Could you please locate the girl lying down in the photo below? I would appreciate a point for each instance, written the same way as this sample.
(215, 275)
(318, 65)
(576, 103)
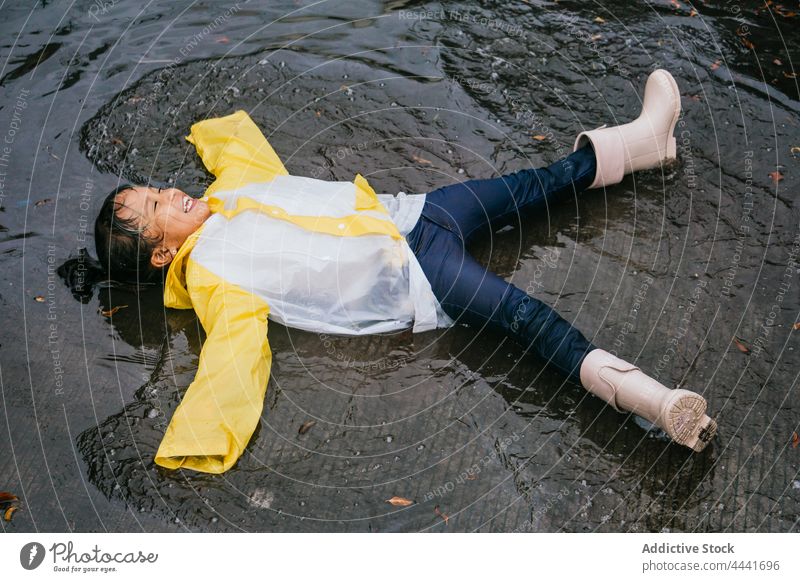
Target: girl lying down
(337, 258)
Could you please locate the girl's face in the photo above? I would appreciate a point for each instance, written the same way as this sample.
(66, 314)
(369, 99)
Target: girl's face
(165, 214)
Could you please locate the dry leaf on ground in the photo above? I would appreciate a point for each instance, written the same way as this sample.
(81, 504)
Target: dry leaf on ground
(5, 497)
(306, 426)
(742, 348)
(439, 513)
(111, 311)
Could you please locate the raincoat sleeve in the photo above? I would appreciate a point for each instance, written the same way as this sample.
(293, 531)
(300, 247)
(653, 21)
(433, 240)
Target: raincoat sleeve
(222, 406)
(235, 151)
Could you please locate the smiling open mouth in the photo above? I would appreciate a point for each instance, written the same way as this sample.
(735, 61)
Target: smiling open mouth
(188, 203)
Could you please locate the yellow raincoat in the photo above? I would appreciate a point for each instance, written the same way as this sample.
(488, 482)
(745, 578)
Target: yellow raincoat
(311, 254)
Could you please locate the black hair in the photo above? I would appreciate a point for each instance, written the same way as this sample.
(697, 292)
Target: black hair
(123, 249)
(123, 252)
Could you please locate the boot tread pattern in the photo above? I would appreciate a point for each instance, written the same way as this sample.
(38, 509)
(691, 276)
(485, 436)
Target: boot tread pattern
(688, 424)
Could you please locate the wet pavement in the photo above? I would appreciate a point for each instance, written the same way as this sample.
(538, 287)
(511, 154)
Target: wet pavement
(681, 271)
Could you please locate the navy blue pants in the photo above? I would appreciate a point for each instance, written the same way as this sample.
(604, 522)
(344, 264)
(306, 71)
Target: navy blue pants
(469, 293)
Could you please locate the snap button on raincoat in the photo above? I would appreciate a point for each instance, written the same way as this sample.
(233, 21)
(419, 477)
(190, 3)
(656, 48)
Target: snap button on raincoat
(311, 254)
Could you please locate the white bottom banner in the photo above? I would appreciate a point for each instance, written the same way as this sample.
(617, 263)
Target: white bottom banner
(397, 556)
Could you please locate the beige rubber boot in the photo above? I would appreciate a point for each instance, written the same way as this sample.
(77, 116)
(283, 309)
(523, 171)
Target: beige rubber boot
(680, 413)
(644, 143)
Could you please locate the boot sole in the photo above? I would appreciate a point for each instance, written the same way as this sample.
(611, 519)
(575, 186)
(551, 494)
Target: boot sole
(687, 423)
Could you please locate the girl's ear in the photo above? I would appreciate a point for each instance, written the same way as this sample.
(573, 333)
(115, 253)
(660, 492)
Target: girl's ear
(162, 256)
